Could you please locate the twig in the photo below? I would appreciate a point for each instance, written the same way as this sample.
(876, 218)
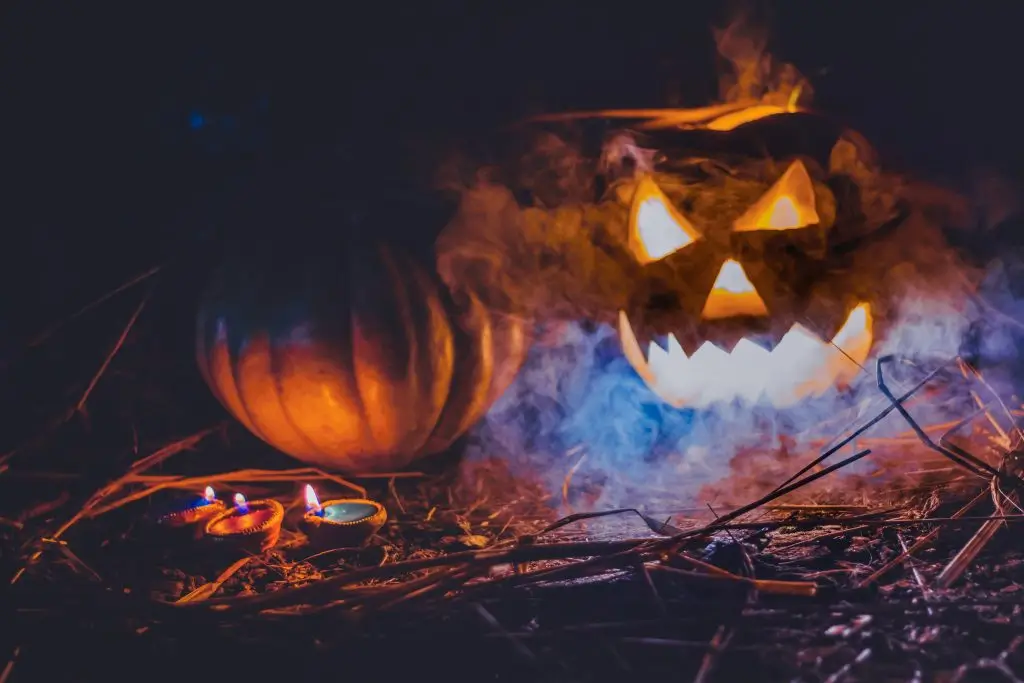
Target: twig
(804, 589)
(821, 537)
(718, 642)
(919, 543)
(956, 454)
(52, 329)
(489, 557)
(659, 604)
(394, 494)
(207, 590)
(80, 406)
(864, 655)
(654, 525)
(6, 673)
(149, 461)
(777, 493)
(866, 426)
(517, 644)
(918, 579)
(568, 480)
(963, 559)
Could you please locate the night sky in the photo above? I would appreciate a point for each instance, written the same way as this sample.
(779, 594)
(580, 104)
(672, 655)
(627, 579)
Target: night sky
(126, 123)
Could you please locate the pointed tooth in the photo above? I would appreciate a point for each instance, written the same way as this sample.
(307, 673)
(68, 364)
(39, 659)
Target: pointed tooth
(798, 358)
(728, 341)
(660, 362)
(781, 325)
(689, 343)
(675, 349)
(764, 341)
(669, 372)
(707, 365)
(679, 368)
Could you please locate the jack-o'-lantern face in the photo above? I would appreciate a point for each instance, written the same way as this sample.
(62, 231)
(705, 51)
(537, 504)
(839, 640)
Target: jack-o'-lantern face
(764, 262)
(745, 296)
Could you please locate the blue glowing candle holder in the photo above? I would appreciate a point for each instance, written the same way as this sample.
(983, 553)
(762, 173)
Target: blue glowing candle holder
(342, 522)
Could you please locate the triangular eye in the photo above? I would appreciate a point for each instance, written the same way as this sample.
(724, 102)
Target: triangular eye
(656, 228)
(788, 205)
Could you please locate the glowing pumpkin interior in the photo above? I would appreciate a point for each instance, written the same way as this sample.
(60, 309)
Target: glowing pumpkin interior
(800, 366)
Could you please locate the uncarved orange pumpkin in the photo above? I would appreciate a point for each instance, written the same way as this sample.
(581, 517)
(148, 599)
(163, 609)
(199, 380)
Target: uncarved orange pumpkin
(362, 365)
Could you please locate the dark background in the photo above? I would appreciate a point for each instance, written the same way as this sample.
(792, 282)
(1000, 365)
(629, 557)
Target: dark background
(124, 123)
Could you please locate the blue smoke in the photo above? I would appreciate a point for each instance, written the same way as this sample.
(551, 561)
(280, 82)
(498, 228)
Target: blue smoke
(578, 405)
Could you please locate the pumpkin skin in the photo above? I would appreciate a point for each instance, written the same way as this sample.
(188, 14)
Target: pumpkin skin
(361, 361)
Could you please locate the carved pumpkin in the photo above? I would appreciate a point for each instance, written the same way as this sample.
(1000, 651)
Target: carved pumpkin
(762, 255)
(765, 276)
(356, 359)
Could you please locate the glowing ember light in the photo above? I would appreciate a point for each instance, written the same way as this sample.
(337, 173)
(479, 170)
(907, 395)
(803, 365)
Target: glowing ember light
(208, 495)
(801, 366)
(734, 120)
(241, 503)
(718, 117)
(312, 502)
(733, 294)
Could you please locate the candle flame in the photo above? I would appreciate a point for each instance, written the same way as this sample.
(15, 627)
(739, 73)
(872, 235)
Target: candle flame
(240, 502)
(209, 494)
(312, 502)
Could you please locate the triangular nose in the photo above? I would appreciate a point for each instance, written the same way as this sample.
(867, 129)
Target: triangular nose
(733, 294)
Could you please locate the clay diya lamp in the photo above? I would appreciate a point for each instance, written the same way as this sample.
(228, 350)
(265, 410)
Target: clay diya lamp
(251, 525)
(341, 523)
(190, 518)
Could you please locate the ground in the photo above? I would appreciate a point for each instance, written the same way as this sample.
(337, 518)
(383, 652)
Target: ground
(478, 575)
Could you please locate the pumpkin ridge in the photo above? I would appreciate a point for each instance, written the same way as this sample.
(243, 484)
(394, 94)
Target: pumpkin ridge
(353, 381)
(470, 387)
(276, 372)
(439, 358)
(259, 391)
(384, 396)
(230, 347)
(217, 357)
(223, 347)
(421, 351)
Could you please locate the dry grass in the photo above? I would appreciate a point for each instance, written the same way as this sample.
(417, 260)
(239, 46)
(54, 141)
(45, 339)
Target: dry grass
(476, 576)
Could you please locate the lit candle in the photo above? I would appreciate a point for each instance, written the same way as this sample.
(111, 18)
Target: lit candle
(342, 522)
(313, 506)
(196, 510)
(252, 525)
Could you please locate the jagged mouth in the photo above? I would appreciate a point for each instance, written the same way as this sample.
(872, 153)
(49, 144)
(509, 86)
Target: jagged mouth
(802, 365)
